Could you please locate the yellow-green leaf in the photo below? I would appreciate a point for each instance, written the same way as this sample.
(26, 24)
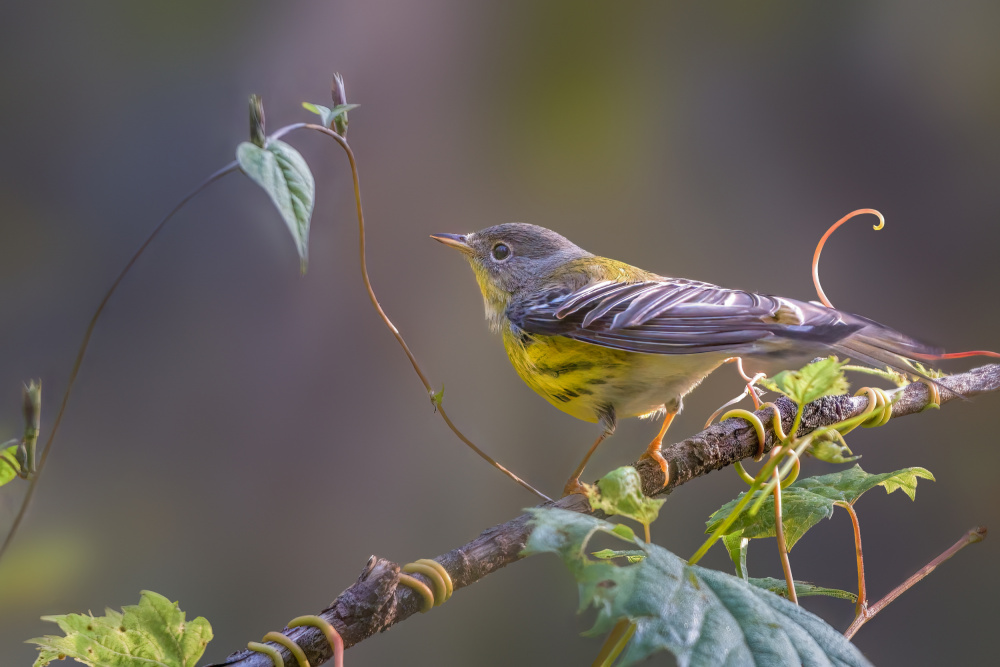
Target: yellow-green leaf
(9, 464)
(820, 378)
(330, 116)
(620, 493)
(153, 633)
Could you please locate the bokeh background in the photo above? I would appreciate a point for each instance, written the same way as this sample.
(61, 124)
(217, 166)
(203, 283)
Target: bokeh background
(242, 438)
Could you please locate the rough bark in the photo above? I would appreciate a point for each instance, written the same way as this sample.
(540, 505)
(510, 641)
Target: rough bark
(376, 602)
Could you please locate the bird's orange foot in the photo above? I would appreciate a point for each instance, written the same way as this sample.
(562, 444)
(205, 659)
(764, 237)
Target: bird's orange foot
(653, 452)
(574, 485)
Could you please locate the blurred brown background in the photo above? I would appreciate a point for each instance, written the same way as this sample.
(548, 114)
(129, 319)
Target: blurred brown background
(223, 392)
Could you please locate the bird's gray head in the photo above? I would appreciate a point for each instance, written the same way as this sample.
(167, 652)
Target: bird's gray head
(511, 257)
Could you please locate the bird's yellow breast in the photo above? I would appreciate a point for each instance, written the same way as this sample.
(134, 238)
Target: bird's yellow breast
(591, 381)
(570, 375)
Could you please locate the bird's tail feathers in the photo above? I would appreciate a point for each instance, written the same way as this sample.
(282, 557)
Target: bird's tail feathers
(882, 347)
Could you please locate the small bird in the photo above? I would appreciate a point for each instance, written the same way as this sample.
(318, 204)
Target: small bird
(602, 340)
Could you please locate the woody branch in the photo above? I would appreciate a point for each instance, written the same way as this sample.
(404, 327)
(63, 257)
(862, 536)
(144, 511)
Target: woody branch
(376, 601)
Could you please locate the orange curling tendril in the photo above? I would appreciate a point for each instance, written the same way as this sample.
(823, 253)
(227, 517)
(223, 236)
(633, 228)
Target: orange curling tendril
(826, 302)
(819, 247)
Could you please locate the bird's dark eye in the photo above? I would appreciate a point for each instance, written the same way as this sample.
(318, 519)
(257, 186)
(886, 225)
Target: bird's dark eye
(500, 252)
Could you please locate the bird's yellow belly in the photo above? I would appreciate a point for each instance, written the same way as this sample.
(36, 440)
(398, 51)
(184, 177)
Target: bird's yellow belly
(586, 380)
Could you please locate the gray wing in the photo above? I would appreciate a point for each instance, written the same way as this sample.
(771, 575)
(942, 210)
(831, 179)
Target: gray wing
(676, 316)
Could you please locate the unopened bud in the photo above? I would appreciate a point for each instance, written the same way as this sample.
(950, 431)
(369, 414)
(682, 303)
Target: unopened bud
(339, 94)
(32, 423)
(32, 408)
(257, 135)
(337, 90)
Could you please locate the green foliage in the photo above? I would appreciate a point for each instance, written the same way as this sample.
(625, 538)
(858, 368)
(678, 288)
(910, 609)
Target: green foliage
(285, 177)
(802, 589)
(631, 555)
(437, 397)
(10, 466)
(737, 546)
(820, 378)
(888, 374)
(831, 450)
(809, 500)
(329, 116)
(153, 633)
(620, 493)
(932, 373)
(702, 616)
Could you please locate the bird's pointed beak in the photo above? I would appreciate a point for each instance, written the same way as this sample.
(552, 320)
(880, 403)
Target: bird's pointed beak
(454, 240)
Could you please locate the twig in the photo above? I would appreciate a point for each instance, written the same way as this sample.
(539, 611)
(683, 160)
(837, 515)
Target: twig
(977, 534)
(392, 328)
(86, 342)
(375, 603)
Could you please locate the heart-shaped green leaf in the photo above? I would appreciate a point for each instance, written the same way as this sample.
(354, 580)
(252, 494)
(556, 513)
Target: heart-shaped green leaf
(285, 177)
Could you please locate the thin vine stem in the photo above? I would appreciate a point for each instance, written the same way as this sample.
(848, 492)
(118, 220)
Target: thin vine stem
(862, 604)
(388, 323)
(779, 532)
(33, 484)
(972, 536)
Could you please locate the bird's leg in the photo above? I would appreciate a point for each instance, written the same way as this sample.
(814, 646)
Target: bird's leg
(574, 485)
(653, 451)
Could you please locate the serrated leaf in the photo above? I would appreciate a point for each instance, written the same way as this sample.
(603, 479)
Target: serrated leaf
(812, 499)
(284, 175)
(327, 115)
(9, 466)
(153, 633)
(703, 617)
(802, 589)
(820, 378)
(620, 493)
(631, 555)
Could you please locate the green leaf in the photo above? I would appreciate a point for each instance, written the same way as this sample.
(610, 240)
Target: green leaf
(809, 500)
(437, 397)
(929, 372)
(803, 589)
(832, 451)
(9, 466)
(285, 177)
(327, 115)
(620, 493)
(631, 555)
(820, 378)
(623, 531)
(703, 617)
(153, 633)
(737, 546)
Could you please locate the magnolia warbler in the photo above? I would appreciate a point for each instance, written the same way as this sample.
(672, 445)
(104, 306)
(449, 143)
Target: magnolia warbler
(602, 340)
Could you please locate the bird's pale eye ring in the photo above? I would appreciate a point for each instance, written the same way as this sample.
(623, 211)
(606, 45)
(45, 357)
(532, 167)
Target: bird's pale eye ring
(501, 252)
